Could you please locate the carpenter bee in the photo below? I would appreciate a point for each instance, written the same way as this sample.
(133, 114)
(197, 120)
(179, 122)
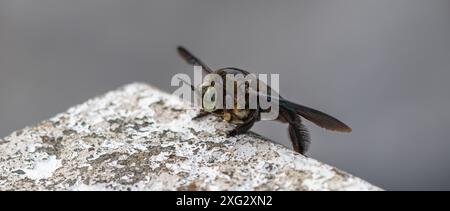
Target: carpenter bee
(244, 119)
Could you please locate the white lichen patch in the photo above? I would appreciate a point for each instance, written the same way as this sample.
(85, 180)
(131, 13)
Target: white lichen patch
(43, 169)
(139, 138)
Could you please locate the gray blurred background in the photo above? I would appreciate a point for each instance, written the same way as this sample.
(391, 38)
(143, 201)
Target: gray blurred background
(381, 66)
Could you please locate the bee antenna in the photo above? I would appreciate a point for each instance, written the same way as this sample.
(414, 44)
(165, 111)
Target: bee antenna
(192, 87)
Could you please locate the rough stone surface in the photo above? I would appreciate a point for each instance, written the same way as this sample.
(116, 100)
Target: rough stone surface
(139, 138)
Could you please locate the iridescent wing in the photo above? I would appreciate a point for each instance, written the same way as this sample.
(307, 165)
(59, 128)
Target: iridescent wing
(317, 117)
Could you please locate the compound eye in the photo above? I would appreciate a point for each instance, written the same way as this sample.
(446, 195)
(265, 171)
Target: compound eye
(209, 99)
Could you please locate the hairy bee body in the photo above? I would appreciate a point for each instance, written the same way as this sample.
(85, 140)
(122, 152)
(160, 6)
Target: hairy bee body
(234, 115)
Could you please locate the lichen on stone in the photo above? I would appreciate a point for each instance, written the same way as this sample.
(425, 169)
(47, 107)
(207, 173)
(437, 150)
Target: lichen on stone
(139, 138)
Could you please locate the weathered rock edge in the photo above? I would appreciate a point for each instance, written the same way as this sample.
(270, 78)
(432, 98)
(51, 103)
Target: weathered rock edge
(140, 138)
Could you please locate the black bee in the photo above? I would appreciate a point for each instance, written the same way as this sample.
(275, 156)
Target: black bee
(289, 112)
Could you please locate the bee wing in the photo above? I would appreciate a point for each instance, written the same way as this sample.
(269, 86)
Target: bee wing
(317, 117)
(191, 59)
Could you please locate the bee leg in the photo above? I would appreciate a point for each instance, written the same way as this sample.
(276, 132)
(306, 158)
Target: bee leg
(200, 115)
(241, 128)
(297, 132)
(299, 137)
